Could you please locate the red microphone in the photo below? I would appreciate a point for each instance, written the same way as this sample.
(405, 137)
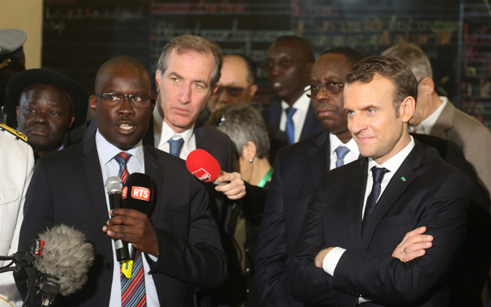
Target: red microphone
(202, 165)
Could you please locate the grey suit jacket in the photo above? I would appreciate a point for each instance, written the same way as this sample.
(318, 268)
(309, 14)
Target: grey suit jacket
(470, 135)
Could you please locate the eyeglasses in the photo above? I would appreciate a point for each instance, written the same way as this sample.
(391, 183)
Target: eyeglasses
(333, 88)
(234, 91)
(114, 99)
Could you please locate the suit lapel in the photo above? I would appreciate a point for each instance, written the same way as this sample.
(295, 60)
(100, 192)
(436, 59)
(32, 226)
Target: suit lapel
(317, 156)
(154, 170)
(93, 179)
(354, 200)
(444, 122)
(311, 124)
(403, 177)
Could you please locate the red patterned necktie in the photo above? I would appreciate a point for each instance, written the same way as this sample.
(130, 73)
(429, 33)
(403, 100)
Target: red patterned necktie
(122, 159)
(133, 289)
(133, 292)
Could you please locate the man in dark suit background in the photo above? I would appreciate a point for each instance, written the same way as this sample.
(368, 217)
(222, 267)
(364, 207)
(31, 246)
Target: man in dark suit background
(180, 241)
(297, 170)
(347, 249)
(288, 65)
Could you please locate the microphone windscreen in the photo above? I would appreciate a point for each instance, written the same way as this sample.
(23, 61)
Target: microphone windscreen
(138, 193)
(66, 256)
(203, 165)
(113, 184)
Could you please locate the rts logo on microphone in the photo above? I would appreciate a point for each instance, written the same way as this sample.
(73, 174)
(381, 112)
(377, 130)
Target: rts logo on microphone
(202, 174)
(140, 193)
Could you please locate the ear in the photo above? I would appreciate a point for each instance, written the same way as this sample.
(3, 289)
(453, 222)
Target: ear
(72, 119)
(426, 86)
(17, 112)
(93, 104)
(406, 109)
(308, 69)
(253, 90)
(157, 78)
(249, 150)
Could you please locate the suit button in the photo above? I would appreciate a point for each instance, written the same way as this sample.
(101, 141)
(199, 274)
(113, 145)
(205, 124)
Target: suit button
(247, 250)
(109, 266)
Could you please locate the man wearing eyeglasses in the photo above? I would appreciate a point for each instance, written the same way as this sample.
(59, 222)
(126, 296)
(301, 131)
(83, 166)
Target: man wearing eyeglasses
(288, 65)
(297, 171)
(237, 82)
(179, 242)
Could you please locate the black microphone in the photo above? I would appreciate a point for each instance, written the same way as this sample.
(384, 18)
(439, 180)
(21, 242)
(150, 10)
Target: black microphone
(58, 263)
(138, 193)
(114, 187)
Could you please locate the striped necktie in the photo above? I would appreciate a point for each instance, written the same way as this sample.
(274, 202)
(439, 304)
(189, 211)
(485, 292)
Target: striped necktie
(122, 159)
(133, 292)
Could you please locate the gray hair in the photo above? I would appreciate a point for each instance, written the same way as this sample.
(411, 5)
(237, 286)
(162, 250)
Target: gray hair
(414, 57)
(189, 42)
(243, 123)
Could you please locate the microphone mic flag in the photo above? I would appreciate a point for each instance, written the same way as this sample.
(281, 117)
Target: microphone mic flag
(203, 165)
(138, 193)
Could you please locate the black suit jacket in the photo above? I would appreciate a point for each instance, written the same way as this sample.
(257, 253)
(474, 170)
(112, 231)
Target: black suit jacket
(297, 170)
(272, 116)
(425, 191)
(67, 188)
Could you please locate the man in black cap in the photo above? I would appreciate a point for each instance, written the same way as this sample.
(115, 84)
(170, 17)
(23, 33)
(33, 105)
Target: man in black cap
(12, 59)
(45, 105)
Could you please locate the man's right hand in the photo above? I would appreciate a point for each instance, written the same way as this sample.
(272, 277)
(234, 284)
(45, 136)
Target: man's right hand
(414, 245)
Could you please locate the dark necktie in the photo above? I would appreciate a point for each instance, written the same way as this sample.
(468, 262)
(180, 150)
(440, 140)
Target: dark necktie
(378, 175)
(175, 146)
(341, 152)
(132, 289)
(290, 127)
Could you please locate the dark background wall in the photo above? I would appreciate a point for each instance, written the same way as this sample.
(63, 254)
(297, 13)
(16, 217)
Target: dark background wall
(79, 35)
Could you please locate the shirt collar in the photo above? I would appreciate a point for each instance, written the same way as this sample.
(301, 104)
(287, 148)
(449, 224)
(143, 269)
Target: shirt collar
(167, 133)
(395, 162)
(107, 151)
(335, 143)
(302, 103)
(427, 124)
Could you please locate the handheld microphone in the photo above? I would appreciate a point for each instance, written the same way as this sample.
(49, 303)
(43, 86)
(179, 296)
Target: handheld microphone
(138, 193)
(203, 165)
(114, 187)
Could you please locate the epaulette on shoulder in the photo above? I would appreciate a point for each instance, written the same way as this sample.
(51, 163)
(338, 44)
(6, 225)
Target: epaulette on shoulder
(18, 135)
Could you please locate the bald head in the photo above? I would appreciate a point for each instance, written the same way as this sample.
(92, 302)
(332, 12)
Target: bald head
(118, 65)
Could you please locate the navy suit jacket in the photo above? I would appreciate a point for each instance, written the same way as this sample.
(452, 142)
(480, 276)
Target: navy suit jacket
(67, 188)
(297, 170)
(425, 191)
(272, 116)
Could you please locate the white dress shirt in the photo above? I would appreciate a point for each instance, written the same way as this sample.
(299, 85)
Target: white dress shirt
(427, 124)
(351, 156)
(302, 105)
(110, 167)
(188, 137)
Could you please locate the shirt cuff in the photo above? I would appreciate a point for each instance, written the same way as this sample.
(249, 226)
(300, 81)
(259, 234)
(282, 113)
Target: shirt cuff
(331, 260)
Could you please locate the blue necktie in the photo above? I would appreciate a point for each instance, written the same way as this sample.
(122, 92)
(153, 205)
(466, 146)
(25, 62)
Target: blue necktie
(378, 175)
(290, 127)
(175, 146)
(341, 152)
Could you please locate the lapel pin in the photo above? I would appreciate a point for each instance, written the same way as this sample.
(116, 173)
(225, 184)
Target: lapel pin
(403, 178)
